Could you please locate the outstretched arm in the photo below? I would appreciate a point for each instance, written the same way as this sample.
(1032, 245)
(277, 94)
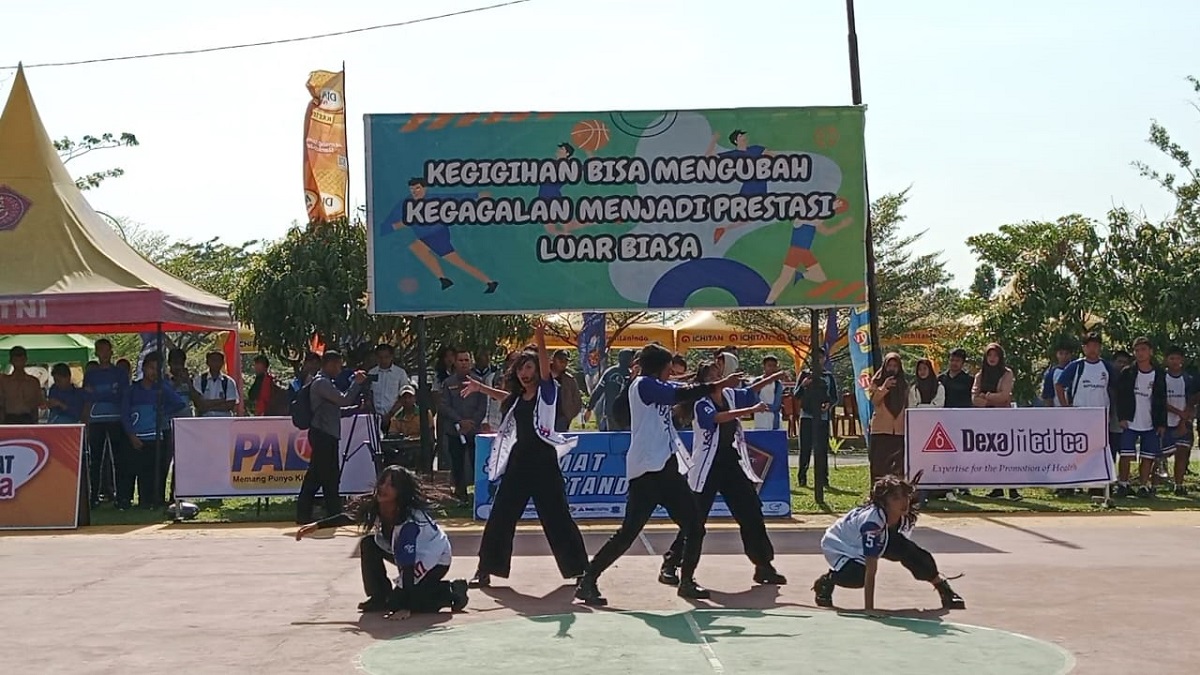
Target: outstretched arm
(539, 336)
(826, 229)
(758, 386)
(474, 386)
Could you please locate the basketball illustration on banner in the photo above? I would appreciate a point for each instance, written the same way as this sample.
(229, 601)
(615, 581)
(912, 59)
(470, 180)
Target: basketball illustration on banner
(589, 135)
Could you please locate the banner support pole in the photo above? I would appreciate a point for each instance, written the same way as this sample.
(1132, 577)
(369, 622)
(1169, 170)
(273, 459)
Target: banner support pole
(869, 238)
(423, 396)
(815, 397)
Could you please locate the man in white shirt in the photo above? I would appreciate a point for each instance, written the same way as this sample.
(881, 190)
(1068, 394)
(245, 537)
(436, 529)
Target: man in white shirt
(771, 394)
(216, 393)
(387, 379)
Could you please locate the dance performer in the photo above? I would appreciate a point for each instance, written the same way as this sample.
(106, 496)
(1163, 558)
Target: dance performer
(721, 464)
(879, 528)
(525, 452)
(655, 466)
(400, 530)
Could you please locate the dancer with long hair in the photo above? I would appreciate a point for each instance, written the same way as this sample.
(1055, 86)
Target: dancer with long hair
(655, 467)
(889, 394)
(525, 452)
(880, 528)
(399, 529)
(721, 465)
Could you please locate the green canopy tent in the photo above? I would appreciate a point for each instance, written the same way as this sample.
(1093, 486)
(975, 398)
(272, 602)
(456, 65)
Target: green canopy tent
(48, 349)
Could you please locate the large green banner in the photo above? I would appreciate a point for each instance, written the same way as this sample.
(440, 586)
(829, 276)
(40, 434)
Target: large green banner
(538, 212)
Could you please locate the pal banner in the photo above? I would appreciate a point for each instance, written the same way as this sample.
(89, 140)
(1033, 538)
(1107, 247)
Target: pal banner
(860, 360)
(594, 211)
(1008, 447)
(39, 476)
(595, 476)
(592, 344)
(326, 168)
(264, 456)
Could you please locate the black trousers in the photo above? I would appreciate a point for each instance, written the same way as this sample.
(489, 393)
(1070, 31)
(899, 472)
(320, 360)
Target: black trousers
(532, 473)
(741, 496)
(106, 440)
(21, 418)
(323, 474)
(811, 432)
(885, 454)
(462, 459)
(669, 488)
(430, 594)
(147, 469)
(901, 549)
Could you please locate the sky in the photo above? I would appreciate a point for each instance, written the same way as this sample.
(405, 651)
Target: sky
(991, 113)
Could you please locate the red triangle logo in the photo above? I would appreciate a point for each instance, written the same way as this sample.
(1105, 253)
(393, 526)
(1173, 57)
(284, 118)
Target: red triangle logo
(939, 441)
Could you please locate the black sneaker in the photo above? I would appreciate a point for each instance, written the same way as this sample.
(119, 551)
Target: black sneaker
(1181, 491)
(950, 599)
(1144, 492)
(589, 593)
(480, 580)
(1123, 490)
(458, 589)
(668, 575)
(691, 590)
(803, 481)
(376, 603)
(996, 494)
(1014, 495)
(768, 575)
(823, 587)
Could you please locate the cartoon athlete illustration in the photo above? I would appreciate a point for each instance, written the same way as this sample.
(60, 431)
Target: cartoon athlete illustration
(433, 241)
(741, 148)
(800, 253)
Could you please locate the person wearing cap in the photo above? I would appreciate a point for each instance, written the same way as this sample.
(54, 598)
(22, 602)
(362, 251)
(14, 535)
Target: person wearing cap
(570, 400)
(406, 421)
(387, 380)
(771, 394)
(21, 395)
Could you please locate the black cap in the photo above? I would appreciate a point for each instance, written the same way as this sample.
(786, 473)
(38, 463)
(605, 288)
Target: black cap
(1092, 337)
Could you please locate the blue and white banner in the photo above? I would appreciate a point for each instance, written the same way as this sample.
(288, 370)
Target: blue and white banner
(592, 344)
(595, 475)
(860, 359)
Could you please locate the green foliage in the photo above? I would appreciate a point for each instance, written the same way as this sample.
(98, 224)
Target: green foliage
(69, 149)
(314, 282)
(1184, 182)
(210, 265)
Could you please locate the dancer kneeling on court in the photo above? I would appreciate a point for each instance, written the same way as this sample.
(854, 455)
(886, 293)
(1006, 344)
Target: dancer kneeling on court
(400, 530)
(879, 528)
(655, 467)
(721, 464)
(525, 452)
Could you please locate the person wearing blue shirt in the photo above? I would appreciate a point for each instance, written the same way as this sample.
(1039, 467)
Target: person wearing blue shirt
(145, 413)
(103, 390)
(1062, 359)
(433, 241)
(64, 400)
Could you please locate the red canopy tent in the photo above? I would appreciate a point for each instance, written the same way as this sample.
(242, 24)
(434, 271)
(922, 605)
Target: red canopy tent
(63, 269)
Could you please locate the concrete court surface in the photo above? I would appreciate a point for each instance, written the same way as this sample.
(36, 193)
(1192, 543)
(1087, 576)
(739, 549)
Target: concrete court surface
(1116, 592)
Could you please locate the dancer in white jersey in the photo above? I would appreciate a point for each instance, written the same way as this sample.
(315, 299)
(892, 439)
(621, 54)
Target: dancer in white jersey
(400, 530)
(878, 529)
(656, 466)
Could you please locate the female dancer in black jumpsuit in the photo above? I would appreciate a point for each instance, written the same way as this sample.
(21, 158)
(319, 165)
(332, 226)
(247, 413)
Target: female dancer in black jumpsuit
(525, 452)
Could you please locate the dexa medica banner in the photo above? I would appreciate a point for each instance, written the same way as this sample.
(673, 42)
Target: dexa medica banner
(699, 209)
(595, 475)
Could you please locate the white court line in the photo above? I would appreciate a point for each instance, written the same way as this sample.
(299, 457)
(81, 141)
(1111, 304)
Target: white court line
(713, 661)
(646, 543)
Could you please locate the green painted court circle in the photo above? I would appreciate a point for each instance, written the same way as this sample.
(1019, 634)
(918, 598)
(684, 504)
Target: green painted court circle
(714, 641)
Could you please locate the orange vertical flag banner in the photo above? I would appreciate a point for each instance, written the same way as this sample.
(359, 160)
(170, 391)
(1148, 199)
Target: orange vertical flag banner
(326, 168)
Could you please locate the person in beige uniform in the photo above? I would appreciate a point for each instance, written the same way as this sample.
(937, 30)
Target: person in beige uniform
(21, 395)
(993, 389)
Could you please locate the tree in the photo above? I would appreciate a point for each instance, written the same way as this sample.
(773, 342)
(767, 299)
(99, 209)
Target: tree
(566, 327)
(210, 265)
(69, 150)
(983, 286)
(314, 282)
(1184, 185)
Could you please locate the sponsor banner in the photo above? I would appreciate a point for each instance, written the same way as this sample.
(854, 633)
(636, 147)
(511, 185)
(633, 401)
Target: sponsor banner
(326, 169)
(860, 360)
(1008, 447)
(40, 467)
(592, 347)
(264, 456)
(606, 211)
(595, 476)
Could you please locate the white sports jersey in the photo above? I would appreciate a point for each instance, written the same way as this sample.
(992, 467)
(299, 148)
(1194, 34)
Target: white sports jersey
(652, 438)
(1143, 389)
(1092, 386)
(421, 544)
(859, 534)
(1176, 397)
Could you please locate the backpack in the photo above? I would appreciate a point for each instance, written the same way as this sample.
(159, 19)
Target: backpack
(620, 409)
(279, 403)
(301, 408)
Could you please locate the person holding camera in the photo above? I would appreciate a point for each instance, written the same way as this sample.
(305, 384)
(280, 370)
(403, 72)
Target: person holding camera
(324, 436)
